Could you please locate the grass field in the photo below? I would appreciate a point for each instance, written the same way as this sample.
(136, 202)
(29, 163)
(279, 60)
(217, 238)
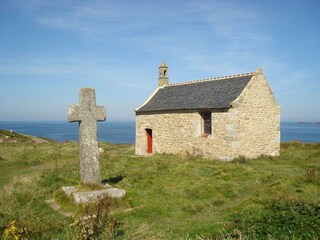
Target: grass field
(170, 196)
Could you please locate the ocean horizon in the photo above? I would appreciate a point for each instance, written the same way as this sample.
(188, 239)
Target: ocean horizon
(123, 132)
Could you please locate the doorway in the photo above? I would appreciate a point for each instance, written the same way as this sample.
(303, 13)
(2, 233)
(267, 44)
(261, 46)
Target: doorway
(149, 140)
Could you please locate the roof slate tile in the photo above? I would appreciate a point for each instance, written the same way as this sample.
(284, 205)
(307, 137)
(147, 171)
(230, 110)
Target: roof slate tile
(207, 94)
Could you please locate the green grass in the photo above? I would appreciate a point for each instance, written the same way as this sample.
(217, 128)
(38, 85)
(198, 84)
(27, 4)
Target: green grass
(171, 196)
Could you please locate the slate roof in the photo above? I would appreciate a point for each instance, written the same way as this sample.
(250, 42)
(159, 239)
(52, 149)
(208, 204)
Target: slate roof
(214, 93)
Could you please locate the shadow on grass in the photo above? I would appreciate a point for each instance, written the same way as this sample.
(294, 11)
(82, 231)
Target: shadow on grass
(112, 180)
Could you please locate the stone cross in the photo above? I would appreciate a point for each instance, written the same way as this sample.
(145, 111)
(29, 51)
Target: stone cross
(87, 114)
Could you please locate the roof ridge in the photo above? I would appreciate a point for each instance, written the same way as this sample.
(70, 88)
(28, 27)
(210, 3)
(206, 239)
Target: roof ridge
(212, 79)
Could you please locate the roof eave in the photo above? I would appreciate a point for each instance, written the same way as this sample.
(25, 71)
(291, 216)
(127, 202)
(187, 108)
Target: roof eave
(151, 96)
(183, 109)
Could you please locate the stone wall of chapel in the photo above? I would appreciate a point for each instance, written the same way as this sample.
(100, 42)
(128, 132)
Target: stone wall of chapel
(256, 120)
(182, 133)
(250, 128)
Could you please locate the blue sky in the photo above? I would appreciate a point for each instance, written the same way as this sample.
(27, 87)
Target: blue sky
(51, 49)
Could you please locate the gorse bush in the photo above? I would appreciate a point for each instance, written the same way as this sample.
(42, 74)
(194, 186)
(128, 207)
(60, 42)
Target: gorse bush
(280, 219)
(16, 231)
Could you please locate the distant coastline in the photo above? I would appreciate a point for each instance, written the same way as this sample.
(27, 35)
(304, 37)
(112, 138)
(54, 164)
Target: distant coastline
(309, 122)
(117, 132)
(123, 132)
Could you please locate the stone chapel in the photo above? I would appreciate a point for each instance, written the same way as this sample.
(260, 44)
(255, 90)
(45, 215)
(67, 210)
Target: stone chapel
(218, 118)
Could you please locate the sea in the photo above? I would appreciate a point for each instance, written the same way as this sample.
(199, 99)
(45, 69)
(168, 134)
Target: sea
(123, 132)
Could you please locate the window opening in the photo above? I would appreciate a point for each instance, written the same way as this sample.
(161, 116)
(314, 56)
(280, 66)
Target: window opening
(207, 127)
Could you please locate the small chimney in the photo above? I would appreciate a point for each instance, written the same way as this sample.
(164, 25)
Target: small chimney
(163, 79)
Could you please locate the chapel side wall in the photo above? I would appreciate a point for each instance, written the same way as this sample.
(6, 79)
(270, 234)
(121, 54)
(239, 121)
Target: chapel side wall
(181, 133)
(172, 132)
(257, 120)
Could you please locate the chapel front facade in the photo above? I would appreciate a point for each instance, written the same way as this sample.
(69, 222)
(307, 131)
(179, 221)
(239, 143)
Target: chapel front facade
(217, 118)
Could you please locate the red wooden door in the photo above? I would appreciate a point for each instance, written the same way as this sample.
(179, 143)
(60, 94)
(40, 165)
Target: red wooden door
(149, 140)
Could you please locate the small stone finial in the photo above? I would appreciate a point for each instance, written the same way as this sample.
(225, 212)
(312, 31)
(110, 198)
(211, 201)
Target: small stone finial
(259, 70)
(163, 64)
(163, 78)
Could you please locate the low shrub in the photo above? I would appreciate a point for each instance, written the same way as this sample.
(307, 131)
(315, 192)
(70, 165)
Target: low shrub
(280, 219)
(97, 220)
(312, 175)
(16, 230)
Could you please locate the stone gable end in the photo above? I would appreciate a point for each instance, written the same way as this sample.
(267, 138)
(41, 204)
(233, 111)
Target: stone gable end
(257, 119)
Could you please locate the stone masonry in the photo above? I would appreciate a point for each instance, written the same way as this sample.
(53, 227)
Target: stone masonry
(250, 127)
(87, 114)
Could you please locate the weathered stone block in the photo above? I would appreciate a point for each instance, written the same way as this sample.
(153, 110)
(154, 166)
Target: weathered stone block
(69, 190)
(92, 196)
